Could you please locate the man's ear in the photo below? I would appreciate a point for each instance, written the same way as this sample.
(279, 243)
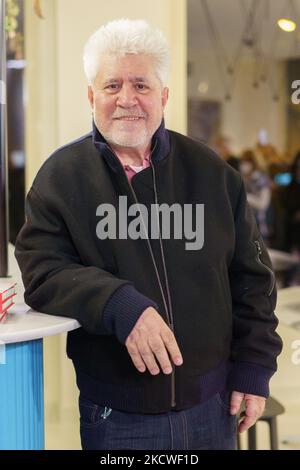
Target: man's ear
(91, 96)
(165, 96)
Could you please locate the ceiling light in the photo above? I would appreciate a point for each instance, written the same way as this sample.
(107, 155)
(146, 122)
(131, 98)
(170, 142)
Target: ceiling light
(287, 25)
(203, 88)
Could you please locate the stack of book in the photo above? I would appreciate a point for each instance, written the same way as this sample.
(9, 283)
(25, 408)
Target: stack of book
(7, 293)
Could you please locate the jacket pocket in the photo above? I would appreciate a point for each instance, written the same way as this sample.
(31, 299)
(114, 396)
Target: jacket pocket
(271, 274)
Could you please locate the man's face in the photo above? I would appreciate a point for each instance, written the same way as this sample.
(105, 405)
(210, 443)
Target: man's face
(127, 100)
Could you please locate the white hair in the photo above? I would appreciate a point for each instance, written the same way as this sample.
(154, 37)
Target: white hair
(125, 36)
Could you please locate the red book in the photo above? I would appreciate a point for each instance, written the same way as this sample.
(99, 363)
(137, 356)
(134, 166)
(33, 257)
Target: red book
(7, 289)
(4, 311)
(6, 304)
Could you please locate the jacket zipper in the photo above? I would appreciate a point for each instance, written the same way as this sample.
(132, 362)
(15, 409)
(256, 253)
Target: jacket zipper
(171, 317)
(259, 252)
(168, 308)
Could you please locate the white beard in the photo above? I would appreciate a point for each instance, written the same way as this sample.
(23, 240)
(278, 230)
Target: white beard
(126, 139)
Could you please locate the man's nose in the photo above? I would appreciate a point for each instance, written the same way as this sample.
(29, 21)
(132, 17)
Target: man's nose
(127, 96)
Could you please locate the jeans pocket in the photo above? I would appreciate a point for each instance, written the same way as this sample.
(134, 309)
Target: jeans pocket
(92, 414)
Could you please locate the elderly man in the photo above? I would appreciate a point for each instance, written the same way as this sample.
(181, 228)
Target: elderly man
(175, 334)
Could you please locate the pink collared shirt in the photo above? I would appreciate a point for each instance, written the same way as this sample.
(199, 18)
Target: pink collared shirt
(131, 170)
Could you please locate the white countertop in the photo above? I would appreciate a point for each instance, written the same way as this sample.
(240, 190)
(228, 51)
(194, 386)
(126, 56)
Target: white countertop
(25, 324)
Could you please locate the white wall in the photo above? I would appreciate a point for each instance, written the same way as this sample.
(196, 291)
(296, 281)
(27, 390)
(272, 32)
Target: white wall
(285, 384)
(40, 87)
(249, 109)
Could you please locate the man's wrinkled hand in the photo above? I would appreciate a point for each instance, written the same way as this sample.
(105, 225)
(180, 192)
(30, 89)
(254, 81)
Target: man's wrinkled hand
(254, 405)
(152, 342)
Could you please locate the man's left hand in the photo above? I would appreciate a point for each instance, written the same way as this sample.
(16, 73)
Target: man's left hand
(254, 404)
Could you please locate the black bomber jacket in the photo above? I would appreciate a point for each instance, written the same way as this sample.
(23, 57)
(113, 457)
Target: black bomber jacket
(219, 299)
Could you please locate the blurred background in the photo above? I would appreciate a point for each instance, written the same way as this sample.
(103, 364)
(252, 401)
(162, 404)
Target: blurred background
(235, 85)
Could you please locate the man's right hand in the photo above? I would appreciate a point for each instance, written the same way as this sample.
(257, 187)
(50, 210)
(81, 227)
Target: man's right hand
(150, 341)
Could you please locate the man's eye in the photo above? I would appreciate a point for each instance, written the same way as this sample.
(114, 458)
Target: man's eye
(141, 86)
(112, 86)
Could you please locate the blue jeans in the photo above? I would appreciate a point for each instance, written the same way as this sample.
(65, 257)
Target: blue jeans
(205, 426)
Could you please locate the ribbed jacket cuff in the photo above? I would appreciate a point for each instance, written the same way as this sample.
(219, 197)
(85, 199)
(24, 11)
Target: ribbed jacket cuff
(123, 310)
(246, 377)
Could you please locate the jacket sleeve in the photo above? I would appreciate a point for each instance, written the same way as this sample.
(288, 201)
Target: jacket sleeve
(255, 343)
(58, 283)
